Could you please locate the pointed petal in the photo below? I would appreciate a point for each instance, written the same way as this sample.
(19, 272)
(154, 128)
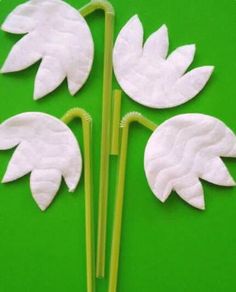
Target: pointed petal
(44, 184)
(74, 86)
(128, 45)
(24, 54)
(21, 163)
(193, 82)
(72, 179)
(72, 173)
(181, 58)
(130, 37)
(21, 19)
(78, 70)
(162, 191)
(157, 44)
(49, 76)
(192, 193)
(217, 173)
(7, 141)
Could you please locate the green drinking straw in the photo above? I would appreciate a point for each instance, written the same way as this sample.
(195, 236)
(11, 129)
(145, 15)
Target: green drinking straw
(116, 122)
(106, 120)
(89, 231)
(115, 250)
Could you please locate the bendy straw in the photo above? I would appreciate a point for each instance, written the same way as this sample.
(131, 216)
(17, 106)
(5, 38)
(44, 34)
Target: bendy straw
(128, 119)
(106, 117)
(78, 113)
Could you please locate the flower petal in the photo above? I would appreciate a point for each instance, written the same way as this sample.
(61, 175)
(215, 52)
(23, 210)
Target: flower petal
(181, 58)
(128, 45)
(157, 44)
(20, 163)
(49, 76)
(24, 54)
(217, 173)
(44, 184)
(21, 20)
(192, 82)
(192, 194)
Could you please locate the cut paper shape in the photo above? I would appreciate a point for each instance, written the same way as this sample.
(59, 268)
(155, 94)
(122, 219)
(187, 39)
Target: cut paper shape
(182, 150)
(57, 34)
(148, 76)
(47, 148)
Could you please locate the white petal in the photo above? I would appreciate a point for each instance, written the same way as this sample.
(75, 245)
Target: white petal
(78, 69)
(20, 163)
(44, 184)
(181, 58)
(217, 173)
(49, 76)
(157, 44)
(24, 54)
(128, 45)
(72, 173)
(192, 194)
(21, 19)
(193, 82)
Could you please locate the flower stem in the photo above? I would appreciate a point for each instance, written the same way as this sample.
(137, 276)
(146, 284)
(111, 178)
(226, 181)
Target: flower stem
(106, 121)
(86, 124)
(116, 122)
(116, 238)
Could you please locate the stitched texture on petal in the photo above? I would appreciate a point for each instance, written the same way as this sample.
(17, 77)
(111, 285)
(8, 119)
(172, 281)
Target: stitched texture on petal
(182, 150)
(150, 77)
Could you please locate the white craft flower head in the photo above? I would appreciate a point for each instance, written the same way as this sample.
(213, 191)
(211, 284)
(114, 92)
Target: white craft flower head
(57, 34)
(148, 75)
(47, 148)
(183, 150)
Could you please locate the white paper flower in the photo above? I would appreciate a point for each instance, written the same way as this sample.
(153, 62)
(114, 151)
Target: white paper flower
(182, 150)
(47, 148)
(148, 76)
(57, 34)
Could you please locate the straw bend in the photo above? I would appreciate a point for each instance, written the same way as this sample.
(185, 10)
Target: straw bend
(97, 5)
(127, 120)
(133, 117)
(86, 124)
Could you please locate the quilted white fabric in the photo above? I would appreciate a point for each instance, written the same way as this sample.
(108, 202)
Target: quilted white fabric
(182, 150)
(47, 148)
(57, 34)
(148, 76)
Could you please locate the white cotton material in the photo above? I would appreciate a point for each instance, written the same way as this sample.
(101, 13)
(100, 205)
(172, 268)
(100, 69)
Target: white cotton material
(57, 34)
(47, 148)
(148, 75)
(182, 150)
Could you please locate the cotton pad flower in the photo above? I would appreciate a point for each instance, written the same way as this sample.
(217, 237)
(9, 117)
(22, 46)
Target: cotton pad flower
(46, 148)
(150, 77)
(57, 34)
(182, 150)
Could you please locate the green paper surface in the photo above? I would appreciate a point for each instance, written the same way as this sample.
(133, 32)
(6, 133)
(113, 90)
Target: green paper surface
(165, 247)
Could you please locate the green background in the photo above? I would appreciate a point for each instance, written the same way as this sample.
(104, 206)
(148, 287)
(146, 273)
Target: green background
(165, 247)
